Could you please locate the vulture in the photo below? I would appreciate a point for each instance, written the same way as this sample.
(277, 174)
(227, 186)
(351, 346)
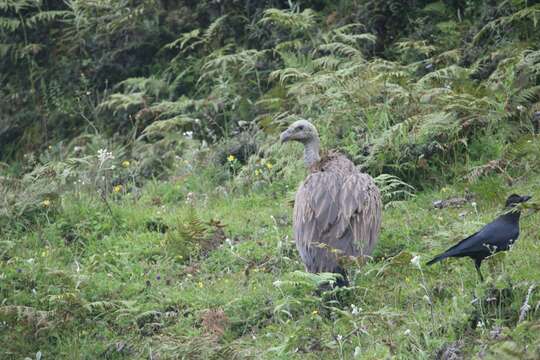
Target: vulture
(496, 236)
(337, 209)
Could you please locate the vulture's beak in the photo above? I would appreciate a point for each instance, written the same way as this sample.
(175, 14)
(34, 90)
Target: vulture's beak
(285, 136)
(525, 198)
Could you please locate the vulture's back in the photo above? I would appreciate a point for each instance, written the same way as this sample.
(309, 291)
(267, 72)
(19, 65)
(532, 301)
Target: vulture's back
(337, 212)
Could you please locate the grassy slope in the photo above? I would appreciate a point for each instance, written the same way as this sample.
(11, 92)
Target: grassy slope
(119, 291)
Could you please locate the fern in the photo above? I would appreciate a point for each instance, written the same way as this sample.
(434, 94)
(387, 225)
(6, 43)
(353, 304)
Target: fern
(530, 14)
(393, 189)
(297, 22)
(125, 102)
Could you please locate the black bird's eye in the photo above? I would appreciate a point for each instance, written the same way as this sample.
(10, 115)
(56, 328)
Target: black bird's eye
(301, 127)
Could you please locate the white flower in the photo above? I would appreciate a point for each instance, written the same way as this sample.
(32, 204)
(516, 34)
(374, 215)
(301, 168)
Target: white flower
(355, 309)
(416, 261)
(339, 338)
(103, 155)
(407, 332)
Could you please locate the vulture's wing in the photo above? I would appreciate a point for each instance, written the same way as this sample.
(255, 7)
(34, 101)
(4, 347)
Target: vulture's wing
(360, 214)
(343, 214)
(316, 209)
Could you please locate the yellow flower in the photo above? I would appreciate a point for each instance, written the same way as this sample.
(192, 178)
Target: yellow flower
(117, 188)
(125, 163)
(200, 284)
(257, 172)
(50, 147)
(231, 158)
(46, 203)
(269, 165)
(314, 312)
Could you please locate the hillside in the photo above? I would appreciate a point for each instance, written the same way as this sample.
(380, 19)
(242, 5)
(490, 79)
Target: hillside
(146, 202)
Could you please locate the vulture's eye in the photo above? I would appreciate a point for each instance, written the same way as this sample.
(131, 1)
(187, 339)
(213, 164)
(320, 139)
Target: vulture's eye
(301, 127)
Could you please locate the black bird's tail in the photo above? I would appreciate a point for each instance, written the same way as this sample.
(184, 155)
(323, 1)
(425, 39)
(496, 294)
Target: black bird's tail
(438, 258)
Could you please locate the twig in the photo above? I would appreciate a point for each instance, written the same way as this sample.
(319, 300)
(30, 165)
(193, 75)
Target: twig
(104, 198)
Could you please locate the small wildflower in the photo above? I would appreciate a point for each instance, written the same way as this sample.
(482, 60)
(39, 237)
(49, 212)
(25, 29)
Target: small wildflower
(314, 312)
(50, 147)
(125, 163)
(200, 285)
(231, 158)
(257, 172)
(269, 165)
(407, 332)
(445, 189)
(46, 203)
(416, 261)
(117, 188)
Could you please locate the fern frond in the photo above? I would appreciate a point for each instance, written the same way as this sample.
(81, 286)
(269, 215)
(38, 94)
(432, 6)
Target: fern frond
(290, 20)
(9, 24)
(192, 36)
(215, 28)
(530, 13)
(288, 74)
(126, 102)
(46, 17)
(341, 49)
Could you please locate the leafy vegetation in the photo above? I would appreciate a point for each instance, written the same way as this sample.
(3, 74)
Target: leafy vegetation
(145, 203)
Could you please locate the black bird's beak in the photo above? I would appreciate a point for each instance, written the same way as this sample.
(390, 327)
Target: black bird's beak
(525, 198)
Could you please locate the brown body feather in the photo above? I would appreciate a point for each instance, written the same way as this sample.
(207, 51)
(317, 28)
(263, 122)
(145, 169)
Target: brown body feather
(337, 213)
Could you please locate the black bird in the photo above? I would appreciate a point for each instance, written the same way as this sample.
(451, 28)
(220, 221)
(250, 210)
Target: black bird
(496, 236)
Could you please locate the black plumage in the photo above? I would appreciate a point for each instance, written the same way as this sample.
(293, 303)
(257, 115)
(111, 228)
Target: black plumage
(496, 236)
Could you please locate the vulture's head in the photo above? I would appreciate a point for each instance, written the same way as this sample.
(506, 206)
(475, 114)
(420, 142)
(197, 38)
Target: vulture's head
(302, 131)
(514, 199)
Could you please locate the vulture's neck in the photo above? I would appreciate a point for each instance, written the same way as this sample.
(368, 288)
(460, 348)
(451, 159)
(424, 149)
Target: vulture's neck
(311, 152)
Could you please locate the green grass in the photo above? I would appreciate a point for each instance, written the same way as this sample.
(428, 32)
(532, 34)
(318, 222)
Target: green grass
(81, 284)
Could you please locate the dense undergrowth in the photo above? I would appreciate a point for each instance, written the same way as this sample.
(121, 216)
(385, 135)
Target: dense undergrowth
(145, 203)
